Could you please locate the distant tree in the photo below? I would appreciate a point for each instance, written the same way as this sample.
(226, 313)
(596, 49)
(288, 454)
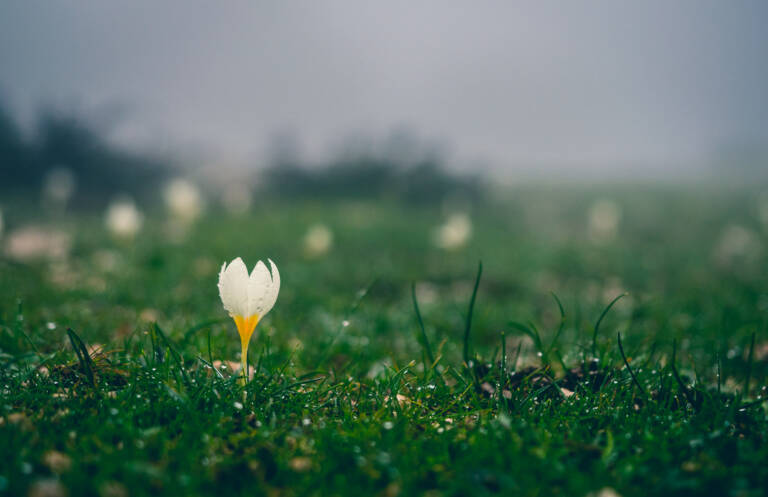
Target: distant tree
(406, 173)
(19, 166)
(101, 169)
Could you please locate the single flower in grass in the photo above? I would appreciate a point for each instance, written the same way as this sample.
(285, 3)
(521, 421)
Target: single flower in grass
(248, 298)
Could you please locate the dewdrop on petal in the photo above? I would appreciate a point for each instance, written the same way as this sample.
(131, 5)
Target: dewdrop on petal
(183, 200)
(248, 298)
(123, 219)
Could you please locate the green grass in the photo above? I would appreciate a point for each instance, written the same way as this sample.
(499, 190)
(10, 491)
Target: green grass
(355, 393)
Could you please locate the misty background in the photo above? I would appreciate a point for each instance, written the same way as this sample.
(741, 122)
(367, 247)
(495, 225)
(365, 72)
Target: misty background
(514, 89)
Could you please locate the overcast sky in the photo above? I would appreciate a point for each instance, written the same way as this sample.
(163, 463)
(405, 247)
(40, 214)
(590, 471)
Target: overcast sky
(601, 86)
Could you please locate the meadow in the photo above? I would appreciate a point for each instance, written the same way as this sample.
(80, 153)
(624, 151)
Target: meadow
(605, 340)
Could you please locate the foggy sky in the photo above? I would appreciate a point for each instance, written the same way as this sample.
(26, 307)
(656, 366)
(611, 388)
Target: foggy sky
(542, 86)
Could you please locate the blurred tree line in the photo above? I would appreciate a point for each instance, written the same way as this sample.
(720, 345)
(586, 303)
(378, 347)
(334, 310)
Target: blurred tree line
(101, 170)
(400, 167)
(369, 177)
(401, 170)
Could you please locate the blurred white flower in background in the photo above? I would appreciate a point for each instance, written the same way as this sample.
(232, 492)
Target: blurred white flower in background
(237, 198)
(603, 220)
(454, 233)
(58, 186)
(318, 240)
(107, 260)
(604, 492)
(123, 219)
(426, 293)
(737, 243)
(184, 200)
(37, 242)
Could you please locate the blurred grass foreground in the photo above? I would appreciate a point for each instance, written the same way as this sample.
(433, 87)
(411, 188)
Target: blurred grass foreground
(389, 365)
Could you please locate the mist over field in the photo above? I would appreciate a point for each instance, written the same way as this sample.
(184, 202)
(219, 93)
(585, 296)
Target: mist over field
(523, 89)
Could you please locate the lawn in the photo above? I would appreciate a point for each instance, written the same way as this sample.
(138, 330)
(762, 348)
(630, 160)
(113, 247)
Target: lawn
(390, 366)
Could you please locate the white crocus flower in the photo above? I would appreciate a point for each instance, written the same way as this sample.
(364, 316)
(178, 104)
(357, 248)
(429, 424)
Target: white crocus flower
(318, 240)
(248, 298)
(454, 233)
(603, 220)
(184, 200)
(123, 219)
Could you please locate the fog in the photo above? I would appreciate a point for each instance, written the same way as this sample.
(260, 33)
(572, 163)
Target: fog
(518, 88)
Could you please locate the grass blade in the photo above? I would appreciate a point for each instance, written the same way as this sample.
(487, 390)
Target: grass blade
(503, 373)
(750, 360)
(205, 324)
(325, 355)
(560, 327)
(424, 339)
(174, 353)
(629, 368)
(82, 355)
(679, 380)
(468, 327)
(600, 320)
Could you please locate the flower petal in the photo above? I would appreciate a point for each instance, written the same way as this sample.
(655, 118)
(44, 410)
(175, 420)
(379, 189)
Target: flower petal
(275, 288)
(233, 287)
(259, 285)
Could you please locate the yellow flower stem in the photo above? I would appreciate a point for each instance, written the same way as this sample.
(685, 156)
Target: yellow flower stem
(245, 327)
